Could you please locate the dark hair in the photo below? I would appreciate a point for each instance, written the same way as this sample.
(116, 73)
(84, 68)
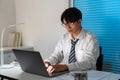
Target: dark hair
(71, 15)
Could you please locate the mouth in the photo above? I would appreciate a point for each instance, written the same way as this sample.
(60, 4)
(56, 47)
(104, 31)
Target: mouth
(70, 30)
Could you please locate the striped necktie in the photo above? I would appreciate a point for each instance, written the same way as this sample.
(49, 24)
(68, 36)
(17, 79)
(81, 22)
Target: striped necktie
(72, 52)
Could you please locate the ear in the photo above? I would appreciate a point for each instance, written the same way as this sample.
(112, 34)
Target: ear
(80, 20)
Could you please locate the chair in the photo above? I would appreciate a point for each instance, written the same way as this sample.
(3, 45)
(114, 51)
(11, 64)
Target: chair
(99, 62)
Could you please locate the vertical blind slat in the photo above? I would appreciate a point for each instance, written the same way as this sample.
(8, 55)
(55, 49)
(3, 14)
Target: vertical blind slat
(102, 17)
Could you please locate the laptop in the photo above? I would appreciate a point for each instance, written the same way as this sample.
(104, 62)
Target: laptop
(32, 62)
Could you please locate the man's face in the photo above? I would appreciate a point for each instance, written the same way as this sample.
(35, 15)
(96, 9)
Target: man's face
(72, 28)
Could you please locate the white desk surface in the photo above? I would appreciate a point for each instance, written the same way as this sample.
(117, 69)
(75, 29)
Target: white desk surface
(17, 73)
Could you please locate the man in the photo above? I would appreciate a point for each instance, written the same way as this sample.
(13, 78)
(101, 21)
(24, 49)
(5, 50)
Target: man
(77, 50)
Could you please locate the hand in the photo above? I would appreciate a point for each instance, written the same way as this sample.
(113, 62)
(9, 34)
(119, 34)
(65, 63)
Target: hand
(57, 68)
(47, 64)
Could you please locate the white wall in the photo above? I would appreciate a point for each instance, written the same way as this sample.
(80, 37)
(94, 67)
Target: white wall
(42, 27)
(7, 16)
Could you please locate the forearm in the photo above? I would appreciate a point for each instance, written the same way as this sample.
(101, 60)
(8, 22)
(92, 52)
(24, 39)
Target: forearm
(57, 68)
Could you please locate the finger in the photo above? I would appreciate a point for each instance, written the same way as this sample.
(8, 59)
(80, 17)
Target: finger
(46, 65)
(52, 70)
(49, 68)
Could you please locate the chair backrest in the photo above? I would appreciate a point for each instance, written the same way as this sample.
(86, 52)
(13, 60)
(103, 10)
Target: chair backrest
(99, 62)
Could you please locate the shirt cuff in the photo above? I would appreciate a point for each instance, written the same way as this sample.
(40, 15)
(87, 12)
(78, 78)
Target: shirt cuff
(46, 60)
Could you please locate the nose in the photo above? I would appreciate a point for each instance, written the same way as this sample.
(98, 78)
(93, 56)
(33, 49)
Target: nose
(68, 26)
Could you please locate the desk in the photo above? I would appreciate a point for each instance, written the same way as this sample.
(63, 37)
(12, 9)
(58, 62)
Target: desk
(17, 73)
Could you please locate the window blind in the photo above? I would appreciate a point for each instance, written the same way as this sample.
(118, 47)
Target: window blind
(102, 17)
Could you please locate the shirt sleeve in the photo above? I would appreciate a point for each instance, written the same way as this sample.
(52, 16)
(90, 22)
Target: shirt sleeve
(57, 55)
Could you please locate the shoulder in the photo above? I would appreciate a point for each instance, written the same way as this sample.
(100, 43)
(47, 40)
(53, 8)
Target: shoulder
(88, 34)
(66, 36)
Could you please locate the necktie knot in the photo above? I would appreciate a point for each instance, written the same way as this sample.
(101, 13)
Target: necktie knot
(74, 42)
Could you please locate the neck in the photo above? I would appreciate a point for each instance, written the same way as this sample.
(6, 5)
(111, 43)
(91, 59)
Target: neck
(76, 34)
